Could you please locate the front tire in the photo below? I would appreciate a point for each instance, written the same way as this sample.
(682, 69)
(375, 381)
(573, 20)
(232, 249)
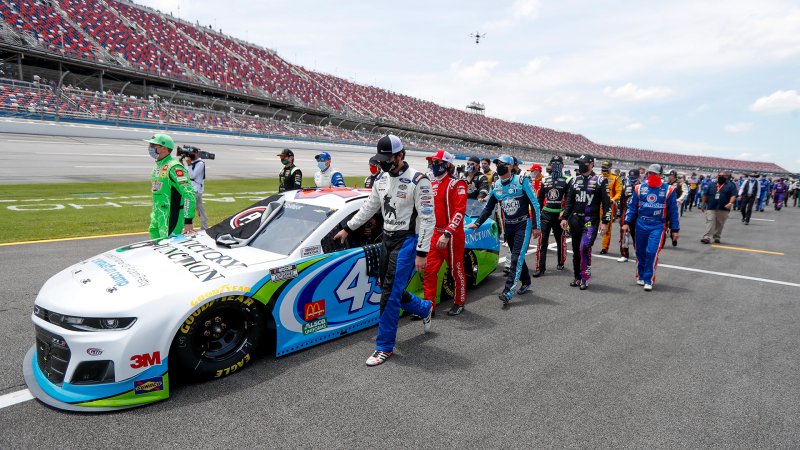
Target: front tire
(217, 339)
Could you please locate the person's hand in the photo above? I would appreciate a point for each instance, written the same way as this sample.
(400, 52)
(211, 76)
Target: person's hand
(603, 228)
(341, 236)
(674, 235)
(729, 205)
(420, 262)
(471, 226)
(442, 242)
(536, 233)
(564, 224)
(188, 229)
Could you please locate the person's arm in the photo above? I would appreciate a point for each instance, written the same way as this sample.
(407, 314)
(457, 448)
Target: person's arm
(633, 207)
(673, 213)
(483, 186)
(605, 200)
(297, 175)
(178, 178)
(569, 199)
(684, 192)
(616, 190)
(458, 199)
(491, 204)
(337, 179)
(543, 192)
(758, 190)
(426, 220)
(528, 189)
(370, 207)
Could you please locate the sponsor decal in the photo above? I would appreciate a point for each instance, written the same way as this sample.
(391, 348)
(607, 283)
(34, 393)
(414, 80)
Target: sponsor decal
(179, 172)
(140, 279)
(224, 289)
(247, 216)
(148, 385)
(313, 327)
(402, 187)
(314, 310)
(233, 368)
(552, 194)
(164, 170)
(401, 195)
(311, 251)
(85, 281)
(111, 290)
(283, 273)
(92, 351)
(478, 235)
(187, 324)
(651, 198)
(111, 270)
(405, 180)
(145, 360)
(511, 206)
(425, 198)
(183, 254)
(156, 186)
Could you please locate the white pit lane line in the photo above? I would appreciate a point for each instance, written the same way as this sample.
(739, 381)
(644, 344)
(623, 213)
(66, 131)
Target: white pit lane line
(25, 395)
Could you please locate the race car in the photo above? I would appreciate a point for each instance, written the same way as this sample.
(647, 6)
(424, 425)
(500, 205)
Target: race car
(110, 330)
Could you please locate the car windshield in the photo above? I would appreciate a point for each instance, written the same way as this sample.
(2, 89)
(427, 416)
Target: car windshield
(474, 207)
(290, 227)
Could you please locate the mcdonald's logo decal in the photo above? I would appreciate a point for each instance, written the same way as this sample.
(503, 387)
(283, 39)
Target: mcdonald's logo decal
(314, 310)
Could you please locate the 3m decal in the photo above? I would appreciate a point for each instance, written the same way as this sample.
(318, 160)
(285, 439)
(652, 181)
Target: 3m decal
(148, 385)
(145, 360)
(314, 310)
(283, 273)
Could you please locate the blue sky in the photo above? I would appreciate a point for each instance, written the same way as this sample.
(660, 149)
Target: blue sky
(717, 78)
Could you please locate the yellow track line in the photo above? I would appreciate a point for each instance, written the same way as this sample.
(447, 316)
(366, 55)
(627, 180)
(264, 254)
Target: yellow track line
(44, 241)
(746, 249)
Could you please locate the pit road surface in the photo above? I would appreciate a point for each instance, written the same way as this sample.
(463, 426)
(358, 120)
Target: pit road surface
(705, 360)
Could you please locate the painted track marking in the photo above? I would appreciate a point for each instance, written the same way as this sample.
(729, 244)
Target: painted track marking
(742, 249)
(70, 239)
(15, 397)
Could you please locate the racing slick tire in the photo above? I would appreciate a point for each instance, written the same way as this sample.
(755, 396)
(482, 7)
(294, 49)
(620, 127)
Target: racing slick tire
(471, 268)
(218, 339)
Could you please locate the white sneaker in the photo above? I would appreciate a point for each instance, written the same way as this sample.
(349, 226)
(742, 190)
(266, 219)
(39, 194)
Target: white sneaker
(648, 287)
(640, 282)
(378, 358)
(622, 259)
(426, 322)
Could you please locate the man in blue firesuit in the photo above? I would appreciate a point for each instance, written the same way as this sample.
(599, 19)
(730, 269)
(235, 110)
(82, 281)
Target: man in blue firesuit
(521, 218)
(652, 206)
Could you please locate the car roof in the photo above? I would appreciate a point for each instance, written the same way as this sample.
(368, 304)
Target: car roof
(330, 197)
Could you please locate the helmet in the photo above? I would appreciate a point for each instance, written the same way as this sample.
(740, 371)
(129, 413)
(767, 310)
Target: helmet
(505, 159)
(161, 139)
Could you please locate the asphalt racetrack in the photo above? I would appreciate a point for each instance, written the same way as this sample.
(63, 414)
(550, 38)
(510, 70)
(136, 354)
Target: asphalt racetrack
(708, 359)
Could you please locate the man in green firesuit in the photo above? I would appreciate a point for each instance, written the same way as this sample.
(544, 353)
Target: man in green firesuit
(173, 195)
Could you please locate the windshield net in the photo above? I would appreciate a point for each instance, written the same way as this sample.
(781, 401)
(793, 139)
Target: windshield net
(292, 225)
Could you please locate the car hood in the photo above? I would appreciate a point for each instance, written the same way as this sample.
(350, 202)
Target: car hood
(122, 280)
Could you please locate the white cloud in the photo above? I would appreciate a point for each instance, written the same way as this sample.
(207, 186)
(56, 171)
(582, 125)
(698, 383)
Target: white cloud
(635, 126)
(477, 71)
(519, 12)
(739, 127)
(777, 102)
(632, 92)
(568, 119)
(699, 110)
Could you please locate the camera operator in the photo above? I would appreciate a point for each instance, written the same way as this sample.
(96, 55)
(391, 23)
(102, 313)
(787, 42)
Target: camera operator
(197, 173)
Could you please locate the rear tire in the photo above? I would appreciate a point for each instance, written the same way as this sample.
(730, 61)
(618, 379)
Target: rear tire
(217, 339)
(471, 268)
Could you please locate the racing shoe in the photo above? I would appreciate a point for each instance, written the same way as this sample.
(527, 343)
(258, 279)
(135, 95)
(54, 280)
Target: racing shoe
(603, 251)
(648, 287)
(560, 267)
(584, 285)
(455, 310)
(622, 259)
(505, 297)
(640, 282)
(537, 273)
(575, 283)
(426, 322)
(524, 289)
(674, 243)
(378, 358)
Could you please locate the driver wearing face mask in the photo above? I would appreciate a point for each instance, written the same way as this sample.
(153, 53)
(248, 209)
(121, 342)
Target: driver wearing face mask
(173, 195)
(374, 173)
(477, 182)
(290, 178)
(326, 176)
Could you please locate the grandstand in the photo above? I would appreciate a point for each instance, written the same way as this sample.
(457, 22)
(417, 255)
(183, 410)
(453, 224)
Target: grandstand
(115, 61)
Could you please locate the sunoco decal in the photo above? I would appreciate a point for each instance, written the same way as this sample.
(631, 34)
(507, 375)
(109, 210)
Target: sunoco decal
(148, 385)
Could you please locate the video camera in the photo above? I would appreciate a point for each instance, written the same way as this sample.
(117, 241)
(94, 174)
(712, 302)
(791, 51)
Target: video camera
(186, 150)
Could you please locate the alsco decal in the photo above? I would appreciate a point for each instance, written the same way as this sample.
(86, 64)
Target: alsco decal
(145, 360)
(148, 385)
(178, 252)
(225, 288)
(315, 326)
(314, 310)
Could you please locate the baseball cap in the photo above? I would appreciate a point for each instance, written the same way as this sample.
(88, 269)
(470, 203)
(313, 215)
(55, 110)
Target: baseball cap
(536, 167)
(161, 139)
(584, 159)
(504, 159)
(673, 173)
(323, 156)
(655, 168)
(442, 155)
(557, 159)
(286, 152)
(374, 161)
(633, 173)
(388, 146)
(606, 165)
(474, 159)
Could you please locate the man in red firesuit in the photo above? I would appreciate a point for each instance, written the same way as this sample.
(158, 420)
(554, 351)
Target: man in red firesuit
(447, 243)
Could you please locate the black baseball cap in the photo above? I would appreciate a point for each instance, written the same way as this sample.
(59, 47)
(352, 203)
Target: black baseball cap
(633, 173)
(286, 152)
(387, 146)
(606, 165)
(673, 173)
(474, 159)
(584, 159)
(557, 159)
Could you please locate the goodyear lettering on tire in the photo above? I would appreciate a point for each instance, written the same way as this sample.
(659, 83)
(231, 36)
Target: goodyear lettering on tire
(234, 367)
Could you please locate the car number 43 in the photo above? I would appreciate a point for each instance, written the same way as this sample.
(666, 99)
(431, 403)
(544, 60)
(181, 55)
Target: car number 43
(357, 287)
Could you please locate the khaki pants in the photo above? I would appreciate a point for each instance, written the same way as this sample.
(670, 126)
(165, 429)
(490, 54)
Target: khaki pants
(201, 210)
(715, 221)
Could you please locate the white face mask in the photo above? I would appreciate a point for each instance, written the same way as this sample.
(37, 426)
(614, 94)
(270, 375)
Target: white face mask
(321, 165)
(153, 152)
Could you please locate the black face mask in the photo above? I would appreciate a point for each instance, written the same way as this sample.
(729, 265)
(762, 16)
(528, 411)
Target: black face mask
(502, 170)
(721, 180)
(387, 166)
(486, 169)
(583, 167)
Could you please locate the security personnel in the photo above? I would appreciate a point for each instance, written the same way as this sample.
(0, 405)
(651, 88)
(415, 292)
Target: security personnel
(374, 173)
(326, 176)
(586, 198)
(290, 178)
(405, 197)
(551, 197)
(653, 207)
(447, 243)
(518, 203)
(173, 195)
(614, 191)
(477, 182)
(626, 237)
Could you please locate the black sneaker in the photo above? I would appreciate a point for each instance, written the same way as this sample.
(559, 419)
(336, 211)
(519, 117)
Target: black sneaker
(524, 289)
(455, 310)
(705, 241)
(560, 267)
(575, 283)
(674, 243)
(538, 273)
(716, 241)
(603, 251)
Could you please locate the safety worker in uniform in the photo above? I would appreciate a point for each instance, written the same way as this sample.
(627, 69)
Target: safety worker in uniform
(447, 243)
(291, 177)
(614, 191)
(653, 208)
(626, 237)
(374, 173)
(551, 198)
(477, 182)
(586, 197)
(405, 198)
(173, 195)
(522, 220)
(327, 176)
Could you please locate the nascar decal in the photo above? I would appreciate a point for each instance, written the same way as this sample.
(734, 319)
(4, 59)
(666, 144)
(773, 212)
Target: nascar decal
(283, 273)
